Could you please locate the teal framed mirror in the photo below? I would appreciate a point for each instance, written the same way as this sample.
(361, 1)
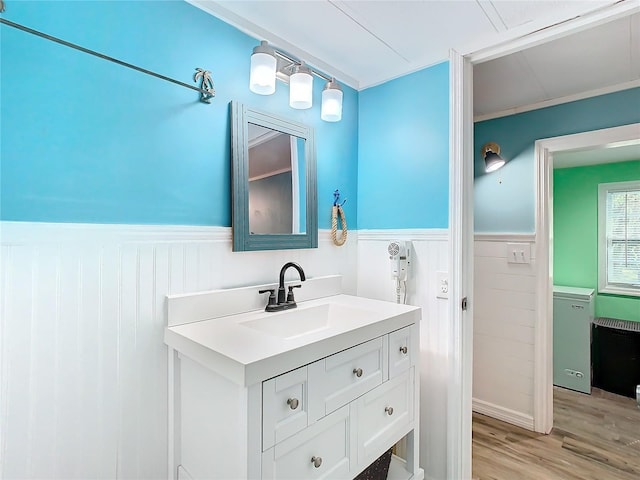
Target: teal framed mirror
(273, 182)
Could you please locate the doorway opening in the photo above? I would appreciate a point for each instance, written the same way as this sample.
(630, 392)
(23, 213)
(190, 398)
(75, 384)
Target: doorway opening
(610, 139)
(462, 127)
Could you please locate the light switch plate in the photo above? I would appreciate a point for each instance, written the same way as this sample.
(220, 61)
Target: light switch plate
(442, 284)
(519, 252)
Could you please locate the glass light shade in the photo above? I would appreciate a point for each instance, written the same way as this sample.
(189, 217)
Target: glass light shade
(331, 110)
(263, 70)
(300, 88)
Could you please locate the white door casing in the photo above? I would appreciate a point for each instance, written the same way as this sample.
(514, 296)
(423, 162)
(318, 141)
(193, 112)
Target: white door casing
(461, 268)
(543, 344)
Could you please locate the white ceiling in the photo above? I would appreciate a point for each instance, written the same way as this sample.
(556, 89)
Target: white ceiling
(602, 58)
(365, 43)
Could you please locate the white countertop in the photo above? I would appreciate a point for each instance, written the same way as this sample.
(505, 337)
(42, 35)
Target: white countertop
(248, 356)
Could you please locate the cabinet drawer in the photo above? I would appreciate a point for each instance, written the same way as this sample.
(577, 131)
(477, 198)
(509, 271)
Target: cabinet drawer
(327, 442)
(285, 406)
(337, 380)
(402, 351)
(383, 416)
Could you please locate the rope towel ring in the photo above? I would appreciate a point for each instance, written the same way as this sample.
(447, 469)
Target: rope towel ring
(336, 212)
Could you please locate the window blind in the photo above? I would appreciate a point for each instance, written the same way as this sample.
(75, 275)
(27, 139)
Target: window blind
(623, 237)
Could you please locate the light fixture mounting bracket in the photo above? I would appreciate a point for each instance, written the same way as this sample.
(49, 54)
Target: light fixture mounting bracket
(490, 147)
(207, 90)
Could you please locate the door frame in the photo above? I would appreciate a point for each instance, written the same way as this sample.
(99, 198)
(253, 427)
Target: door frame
(461, 266)
(543, 343)
(459, 387)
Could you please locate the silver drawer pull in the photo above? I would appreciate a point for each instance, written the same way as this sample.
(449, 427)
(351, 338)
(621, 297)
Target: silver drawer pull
(293, 403)
(579, 307)
(358, 372)
(404, 350)
(389, 410)
(317, 461)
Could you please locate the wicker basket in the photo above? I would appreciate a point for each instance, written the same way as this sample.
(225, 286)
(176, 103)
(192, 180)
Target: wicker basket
(378, 470)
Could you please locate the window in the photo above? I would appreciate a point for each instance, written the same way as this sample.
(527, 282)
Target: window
(619, 238)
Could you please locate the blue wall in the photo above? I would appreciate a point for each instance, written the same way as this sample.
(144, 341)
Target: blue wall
(505, 199)
(403, 162)
(86, 140)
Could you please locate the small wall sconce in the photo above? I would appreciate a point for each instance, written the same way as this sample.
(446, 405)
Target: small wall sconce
(492, 159)
(268, 63)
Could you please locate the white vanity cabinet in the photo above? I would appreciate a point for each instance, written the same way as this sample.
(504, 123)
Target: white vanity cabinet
(321, 408)
(328, 419)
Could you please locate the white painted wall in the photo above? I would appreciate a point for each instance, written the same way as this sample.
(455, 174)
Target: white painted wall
(83, 366)
(430, 255)
(503, 338)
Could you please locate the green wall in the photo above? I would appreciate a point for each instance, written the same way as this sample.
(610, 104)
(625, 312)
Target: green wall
(575, 230)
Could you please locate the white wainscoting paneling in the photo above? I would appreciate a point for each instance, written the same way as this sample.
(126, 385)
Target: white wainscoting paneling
(83, 386)
(429, 256)
(504, 322)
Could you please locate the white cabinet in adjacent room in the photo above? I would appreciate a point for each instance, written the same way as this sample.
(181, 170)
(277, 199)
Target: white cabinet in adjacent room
(573, 310)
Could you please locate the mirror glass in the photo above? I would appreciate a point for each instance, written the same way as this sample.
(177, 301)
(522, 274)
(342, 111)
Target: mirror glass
(277, 182)
(274, 196)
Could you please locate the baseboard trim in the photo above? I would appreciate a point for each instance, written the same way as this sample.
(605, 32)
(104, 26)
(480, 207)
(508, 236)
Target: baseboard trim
(503, 414)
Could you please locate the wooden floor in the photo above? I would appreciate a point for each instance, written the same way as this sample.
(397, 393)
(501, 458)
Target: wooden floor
(594, 436)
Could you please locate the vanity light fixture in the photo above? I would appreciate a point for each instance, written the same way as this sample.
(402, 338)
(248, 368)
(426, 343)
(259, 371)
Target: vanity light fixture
(492, 159)
(300, 87)
(269, 63)
(331, 110)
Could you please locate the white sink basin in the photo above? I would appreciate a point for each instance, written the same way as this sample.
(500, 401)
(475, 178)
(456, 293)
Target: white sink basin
(249, 346)
(297, 322)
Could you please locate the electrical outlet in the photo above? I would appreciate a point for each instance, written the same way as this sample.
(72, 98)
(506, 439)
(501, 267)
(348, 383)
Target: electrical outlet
(442, 285)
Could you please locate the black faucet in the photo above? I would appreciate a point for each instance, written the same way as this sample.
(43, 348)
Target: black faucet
(284, 301)
(285, 267)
